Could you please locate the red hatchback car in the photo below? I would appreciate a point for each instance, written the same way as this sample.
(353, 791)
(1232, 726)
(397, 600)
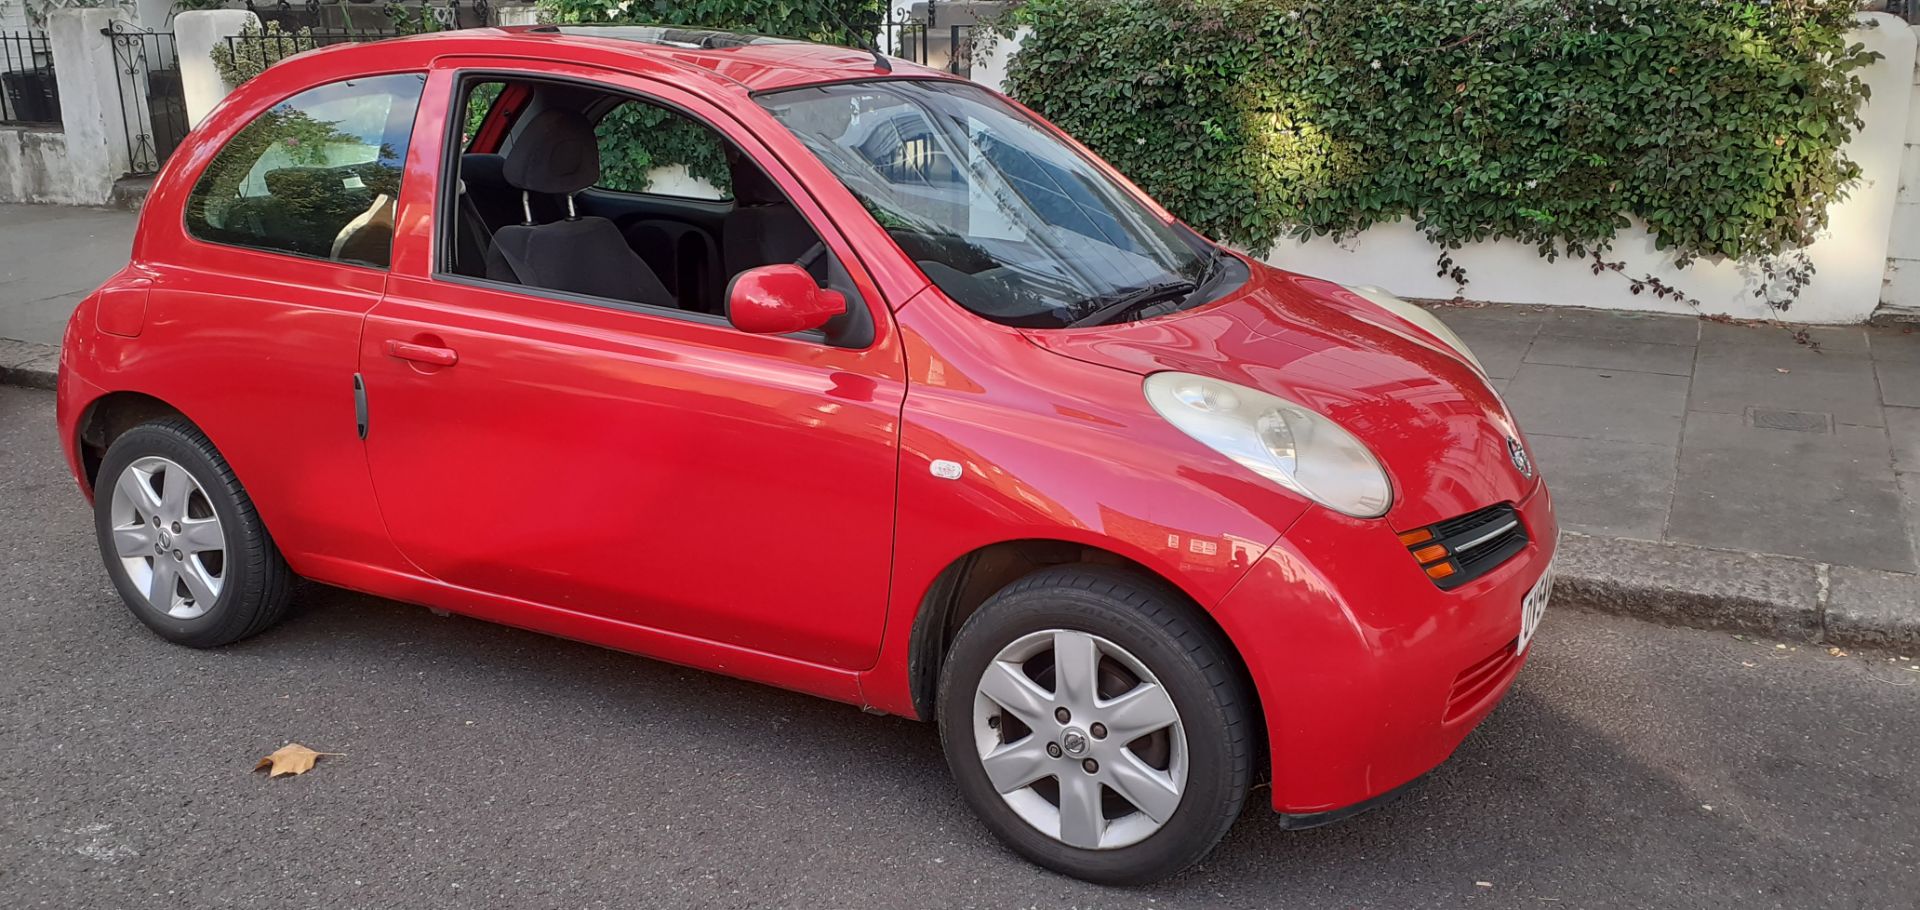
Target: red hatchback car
(890, 392)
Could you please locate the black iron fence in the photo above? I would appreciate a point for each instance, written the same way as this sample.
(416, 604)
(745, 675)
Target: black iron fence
(153, 104)
(947, 47)
(408, 17)
(28, 94)
(264, 50)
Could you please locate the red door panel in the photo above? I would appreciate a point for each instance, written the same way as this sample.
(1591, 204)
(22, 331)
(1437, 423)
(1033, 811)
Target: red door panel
(259, 350)
(678, 475)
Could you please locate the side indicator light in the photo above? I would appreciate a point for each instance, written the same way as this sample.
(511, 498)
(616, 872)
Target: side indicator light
(1415, 538)
(1430, 553)
(1440, 570)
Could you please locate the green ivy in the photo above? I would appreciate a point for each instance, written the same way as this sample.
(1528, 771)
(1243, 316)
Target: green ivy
(844, 22)
(1718, 124)
(260, 46)
(636, 138)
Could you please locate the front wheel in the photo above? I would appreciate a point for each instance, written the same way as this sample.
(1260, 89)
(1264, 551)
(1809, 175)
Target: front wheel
(1097, 725)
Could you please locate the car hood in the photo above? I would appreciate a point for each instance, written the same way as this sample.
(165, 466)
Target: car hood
(1431, 418)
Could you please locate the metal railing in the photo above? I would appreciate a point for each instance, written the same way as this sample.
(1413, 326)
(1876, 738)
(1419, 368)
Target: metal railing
(28, 94)
(947, 47)
(153, 103)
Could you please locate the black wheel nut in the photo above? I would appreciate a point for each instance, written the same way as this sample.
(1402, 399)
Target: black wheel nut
(1061, 715)
(1098, 730)
(1053, 749)
(1091, 766)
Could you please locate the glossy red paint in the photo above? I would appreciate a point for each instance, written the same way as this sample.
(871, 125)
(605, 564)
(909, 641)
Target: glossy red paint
(766, 505)
(780, 300)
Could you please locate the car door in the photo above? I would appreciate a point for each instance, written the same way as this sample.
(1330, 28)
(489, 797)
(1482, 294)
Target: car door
(645, 465)
(254, 317)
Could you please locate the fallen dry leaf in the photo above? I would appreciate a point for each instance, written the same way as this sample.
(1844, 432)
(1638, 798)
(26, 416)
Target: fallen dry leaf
(291, 758)
(1781, 370)
(1836, 652)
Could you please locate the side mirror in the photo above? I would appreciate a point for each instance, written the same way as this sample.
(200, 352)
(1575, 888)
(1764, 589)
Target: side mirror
(780, 299)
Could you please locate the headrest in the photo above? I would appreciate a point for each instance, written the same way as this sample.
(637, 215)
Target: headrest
(751, 185)
(554, 153)
(483, 169)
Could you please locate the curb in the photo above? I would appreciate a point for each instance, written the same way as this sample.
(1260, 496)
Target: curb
(1779, 597)
(24, 363)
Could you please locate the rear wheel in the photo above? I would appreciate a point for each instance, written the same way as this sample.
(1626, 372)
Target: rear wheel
(1097, 725)
(181, 539)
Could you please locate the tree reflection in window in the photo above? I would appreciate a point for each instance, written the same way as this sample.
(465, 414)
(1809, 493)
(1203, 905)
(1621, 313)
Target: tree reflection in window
(317, 175)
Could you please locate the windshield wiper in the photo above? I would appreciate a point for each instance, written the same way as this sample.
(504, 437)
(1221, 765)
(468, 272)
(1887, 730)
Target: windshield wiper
(1120, 304)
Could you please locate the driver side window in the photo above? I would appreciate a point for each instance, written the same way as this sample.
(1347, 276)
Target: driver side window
(664, 213)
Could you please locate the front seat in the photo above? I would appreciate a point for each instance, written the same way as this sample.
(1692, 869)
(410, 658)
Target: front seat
(763, 228)
(557, 154)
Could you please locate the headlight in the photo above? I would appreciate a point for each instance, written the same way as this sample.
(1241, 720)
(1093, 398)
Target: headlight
(1421, 318)
(1277, 439)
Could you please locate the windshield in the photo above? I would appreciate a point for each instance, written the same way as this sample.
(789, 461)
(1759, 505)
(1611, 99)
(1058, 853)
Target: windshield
(1009, 221)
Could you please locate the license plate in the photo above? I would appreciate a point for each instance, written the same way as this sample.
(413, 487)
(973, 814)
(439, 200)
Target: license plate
(1532, 607)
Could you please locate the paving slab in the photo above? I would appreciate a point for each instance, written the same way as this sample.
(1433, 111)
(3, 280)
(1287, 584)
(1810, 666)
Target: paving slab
(1903, 428)
(1835, 339)
(1609, 325)
(1609, 354)
(1899, 382)
(1521, 320)
(1730, 378)
(1606, 487)
(1619, 405)
(1829, 497)
(50, 257)
(1878, 609)
(1500, 353)
(1894, 342)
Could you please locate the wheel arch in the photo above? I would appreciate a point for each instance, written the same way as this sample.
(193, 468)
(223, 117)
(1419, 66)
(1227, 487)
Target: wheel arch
(968, 581)
(107, 417)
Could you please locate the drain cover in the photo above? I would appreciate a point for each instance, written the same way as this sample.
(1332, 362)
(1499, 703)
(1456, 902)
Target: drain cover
(1797, 421)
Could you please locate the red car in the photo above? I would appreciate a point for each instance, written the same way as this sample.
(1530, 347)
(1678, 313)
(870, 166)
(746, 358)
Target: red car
(886, 391)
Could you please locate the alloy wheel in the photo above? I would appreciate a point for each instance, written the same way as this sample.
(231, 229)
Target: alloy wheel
(168, 537)
(1080, 739)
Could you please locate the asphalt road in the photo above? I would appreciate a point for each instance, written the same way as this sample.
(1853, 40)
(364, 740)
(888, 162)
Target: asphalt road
(1634, 766)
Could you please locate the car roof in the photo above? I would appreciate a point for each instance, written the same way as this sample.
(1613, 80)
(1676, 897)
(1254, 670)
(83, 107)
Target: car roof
(723, 60)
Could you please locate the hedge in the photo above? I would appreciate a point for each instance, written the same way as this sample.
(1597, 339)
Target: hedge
(1720, 125)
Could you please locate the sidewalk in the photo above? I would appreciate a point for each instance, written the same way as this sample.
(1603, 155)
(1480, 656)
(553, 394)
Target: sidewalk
(50, 257)
(1707, 474)
(1723, 447)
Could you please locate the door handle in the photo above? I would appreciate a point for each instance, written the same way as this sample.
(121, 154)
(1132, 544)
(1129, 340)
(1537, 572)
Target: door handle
(421, 353)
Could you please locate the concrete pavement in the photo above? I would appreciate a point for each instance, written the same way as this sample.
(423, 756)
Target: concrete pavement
(1788, 455)
(51, 256)
(1632, 767)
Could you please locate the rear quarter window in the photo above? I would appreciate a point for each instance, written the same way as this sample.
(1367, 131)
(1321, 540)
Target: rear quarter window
(316, 175)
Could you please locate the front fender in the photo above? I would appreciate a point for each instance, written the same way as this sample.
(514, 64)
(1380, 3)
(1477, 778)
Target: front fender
(1001, 441)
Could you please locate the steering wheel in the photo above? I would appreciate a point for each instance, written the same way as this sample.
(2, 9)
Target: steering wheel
(813, 253)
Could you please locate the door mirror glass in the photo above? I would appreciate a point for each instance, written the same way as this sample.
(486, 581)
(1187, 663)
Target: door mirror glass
(779, 300)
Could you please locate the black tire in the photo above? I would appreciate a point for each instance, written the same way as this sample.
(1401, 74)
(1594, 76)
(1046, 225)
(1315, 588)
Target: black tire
(255, 580)
(1194, 663)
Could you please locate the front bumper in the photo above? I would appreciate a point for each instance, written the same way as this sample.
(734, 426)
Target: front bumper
(1368, 674)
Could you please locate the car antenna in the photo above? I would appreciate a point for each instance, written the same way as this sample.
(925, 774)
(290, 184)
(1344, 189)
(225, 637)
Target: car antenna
(880, 61)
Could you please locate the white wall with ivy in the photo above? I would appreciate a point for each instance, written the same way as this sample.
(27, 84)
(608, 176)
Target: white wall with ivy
(1851, 255)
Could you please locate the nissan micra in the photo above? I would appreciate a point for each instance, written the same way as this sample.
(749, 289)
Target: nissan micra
(820, 369)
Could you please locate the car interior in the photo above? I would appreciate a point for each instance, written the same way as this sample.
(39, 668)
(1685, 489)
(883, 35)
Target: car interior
(532, 206)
